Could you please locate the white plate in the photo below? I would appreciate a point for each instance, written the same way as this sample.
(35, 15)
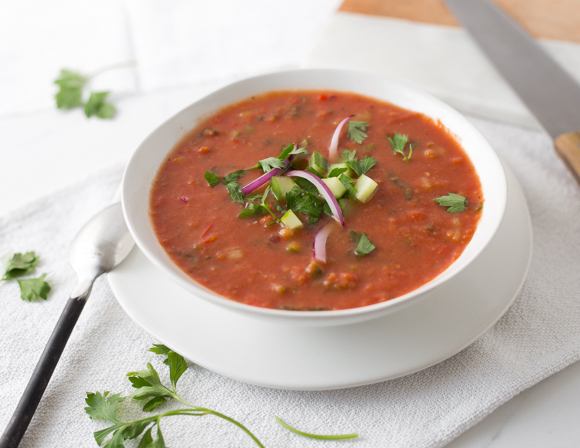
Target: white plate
(309, 358)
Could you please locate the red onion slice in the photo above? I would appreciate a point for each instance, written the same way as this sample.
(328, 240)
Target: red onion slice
(320, 243)
(323, 190)
(265, 178)
(333, 148)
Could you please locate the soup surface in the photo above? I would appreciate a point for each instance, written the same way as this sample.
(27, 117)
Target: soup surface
(258, 260)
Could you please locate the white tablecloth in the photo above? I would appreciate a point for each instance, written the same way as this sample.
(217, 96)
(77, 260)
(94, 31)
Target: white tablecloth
(183, 51)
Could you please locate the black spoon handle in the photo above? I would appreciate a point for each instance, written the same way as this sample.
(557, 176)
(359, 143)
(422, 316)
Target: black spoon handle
(43, 371)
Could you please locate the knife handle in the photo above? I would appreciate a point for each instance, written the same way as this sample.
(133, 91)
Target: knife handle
(567, 146)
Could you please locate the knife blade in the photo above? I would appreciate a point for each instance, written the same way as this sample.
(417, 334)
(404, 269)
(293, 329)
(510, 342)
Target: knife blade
(549, 92)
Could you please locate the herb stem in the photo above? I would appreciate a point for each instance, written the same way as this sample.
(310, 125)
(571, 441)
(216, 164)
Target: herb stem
(206, 411)
(316, 436)
(126, 64)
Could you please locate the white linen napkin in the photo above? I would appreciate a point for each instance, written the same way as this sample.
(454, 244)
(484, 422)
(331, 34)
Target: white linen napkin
(538, 336)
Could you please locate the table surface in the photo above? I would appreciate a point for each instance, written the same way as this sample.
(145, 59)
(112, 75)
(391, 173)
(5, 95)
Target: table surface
(44, 150)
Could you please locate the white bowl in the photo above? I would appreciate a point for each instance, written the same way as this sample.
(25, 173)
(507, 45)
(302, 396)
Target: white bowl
(143, 165)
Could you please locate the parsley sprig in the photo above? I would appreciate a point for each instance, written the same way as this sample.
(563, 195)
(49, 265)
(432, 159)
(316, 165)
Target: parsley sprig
(31, 289)
(72, 86)
(455, 202)
(357, 131)
(150, 388)
(398, 143)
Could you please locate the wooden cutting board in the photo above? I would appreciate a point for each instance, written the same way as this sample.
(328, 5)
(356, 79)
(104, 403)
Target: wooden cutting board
(550, 19)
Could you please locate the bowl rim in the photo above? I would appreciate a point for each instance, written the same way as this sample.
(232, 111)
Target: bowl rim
(350, 314)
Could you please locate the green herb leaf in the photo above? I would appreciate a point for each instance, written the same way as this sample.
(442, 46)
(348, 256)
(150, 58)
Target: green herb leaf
(232, 177)
(356, 131)
(307, 201)
(175, 361)
(398, 143)
(149, 386)
(346, 181)
(20, 265)
(103, 406)
(337, 172)
(455, 202)
(363, 244)
(347, 155)
(70, 93)
(271, 163)
(251, 210)
(361, 167)
(97, 106)
(212, 179)
(32, 289)
(235, 191)
(316, 436)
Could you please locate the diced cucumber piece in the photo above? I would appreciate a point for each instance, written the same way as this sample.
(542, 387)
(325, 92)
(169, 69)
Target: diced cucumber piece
(365, 188)
(319, 163)
(291, 221)
(348, 172)
(335, 186)
(281, 185)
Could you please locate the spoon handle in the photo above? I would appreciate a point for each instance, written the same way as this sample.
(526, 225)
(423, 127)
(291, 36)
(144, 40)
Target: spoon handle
(43, 371)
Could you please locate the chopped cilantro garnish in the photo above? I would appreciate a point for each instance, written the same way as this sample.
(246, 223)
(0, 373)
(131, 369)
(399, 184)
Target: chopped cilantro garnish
(212, 179)
(337, 172)
(271, 163)
(307, 201)
(347, 182)
(455, 202)
(356, 131)
(235, 190)
(398, 143)
(347, 155)
(364, 245)
(361, 167)
(233, 176)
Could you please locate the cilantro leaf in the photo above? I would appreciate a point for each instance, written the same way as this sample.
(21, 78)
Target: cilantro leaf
(103, 406)
(20, 265)
(346, 181)
(364, 245)
(235, 191)
(149, 387)
(347, 155)
(212, 179)
(361, 167)
(251, 210)
(271, 163)
(175, 361)
(307, 201)
(455, 202)
(233, 176)
(97, 106)
(336, 172)
(398, 143)
(32, 289)
(70, 93)
(356, 131)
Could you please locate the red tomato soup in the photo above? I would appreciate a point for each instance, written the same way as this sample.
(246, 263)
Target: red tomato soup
(258, 260)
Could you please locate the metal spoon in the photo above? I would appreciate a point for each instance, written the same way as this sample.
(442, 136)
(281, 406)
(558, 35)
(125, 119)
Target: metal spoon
(101, 244)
